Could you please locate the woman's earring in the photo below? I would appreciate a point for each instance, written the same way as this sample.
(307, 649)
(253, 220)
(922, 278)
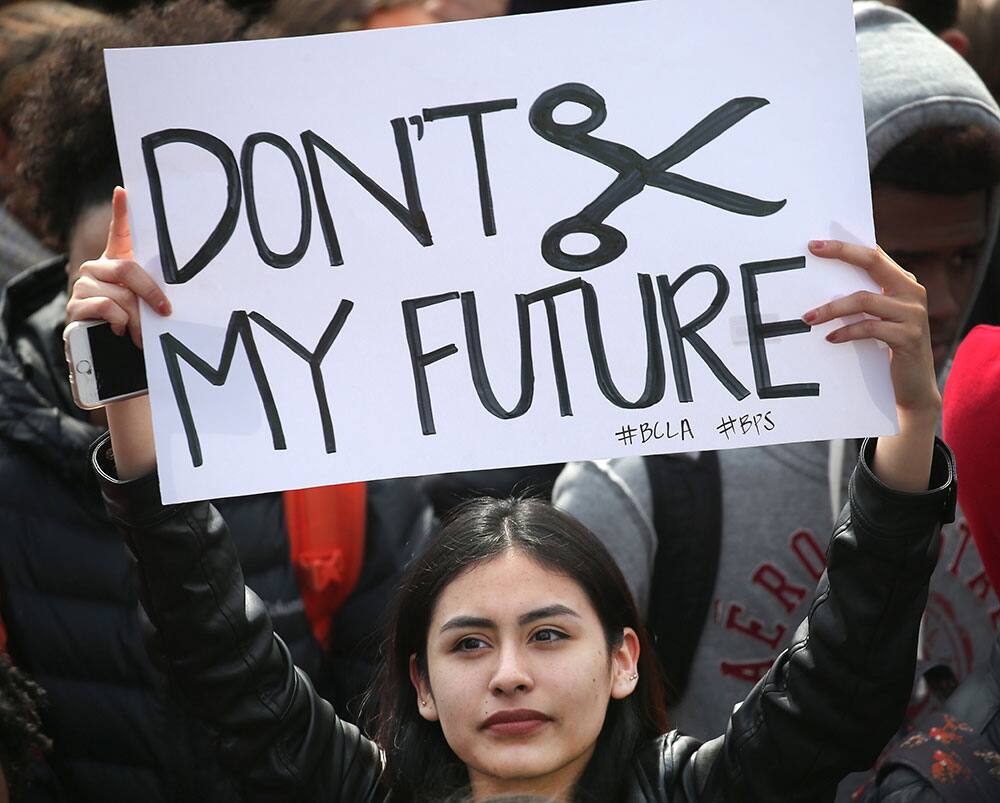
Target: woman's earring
(633, 677)
(423, 702)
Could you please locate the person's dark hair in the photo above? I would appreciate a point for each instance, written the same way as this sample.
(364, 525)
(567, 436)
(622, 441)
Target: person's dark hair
(419, 763)
(69, 157)
(27, 30)
(935, 15)
(947, 160)
(21, 738)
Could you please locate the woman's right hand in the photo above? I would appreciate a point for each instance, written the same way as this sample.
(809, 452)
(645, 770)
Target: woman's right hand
(109, 289)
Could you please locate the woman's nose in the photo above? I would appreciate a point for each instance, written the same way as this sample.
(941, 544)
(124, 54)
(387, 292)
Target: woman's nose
(512, 673)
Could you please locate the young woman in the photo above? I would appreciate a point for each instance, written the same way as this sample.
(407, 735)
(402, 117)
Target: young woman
(516, 663)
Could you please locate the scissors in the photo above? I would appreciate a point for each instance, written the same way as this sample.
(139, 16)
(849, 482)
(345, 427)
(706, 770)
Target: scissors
(635, 172)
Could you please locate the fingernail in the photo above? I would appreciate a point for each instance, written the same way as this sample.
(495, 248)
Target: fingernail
(817, 245)
(810, 316)
(834, 337)
(163, 307)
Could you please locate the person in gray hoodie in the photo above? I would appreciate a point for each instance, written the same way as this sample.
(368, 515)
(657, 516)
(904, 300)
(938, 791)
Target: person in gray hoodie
(933, 135)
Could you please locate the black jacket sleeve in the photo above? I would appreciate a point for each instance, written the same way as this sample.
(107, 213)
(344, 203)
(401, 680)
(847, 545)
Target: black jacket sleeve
(277, 736)
(832, 700)
(826, 707)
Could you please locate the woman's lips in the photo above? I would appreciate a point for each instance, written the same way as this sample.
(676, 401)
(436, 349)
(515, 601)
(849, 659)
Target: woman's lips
(515, 722)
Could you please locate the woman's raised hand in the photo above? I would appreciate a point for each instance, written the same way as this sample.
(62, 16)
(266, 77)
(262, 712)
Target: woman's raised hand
(109, 288)
(898, 318)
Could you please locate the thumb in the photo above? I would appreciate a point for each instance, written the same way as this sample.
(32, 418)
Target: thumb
(119, 235)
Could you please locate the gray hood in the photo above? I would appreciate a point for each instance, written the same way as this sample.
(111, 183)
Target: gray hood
(911, 80)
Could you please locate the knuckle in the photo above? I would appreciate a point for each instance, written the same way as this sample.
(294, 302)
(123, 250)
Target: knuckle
(106, 308)
(868, 327)
(123, 271)
(85, 286)
(115, 271)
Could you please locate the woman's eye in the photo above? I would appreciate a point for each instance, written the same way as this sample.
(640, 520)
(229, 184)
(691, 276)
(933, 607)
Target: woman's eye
(470, 644)
(548, 634)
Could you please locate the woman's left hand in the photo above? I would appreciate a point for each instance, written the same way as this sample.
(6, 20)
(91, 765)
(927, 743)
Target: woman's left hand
(898, 318)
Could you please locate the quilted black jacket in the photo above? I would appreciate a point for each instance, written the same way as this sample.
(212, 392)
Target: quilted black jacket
(827, 706)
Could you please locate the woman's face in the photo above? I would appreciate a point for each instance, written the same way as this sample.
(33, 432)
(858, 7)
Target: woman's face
(519, 676)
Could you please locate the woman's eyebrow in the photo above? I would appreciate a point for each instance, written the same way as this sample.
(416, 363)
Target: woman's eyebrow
(458, 622)
(545, 613)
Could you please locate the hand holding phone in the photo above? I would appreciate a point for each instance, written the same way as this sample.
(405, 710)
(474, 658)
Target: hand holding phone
(109, 289)
(103, 367)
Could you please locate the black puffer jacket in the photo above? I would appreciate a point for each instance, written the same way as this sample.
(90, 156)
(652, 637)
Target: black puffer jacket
(68, 599)
(827, 706)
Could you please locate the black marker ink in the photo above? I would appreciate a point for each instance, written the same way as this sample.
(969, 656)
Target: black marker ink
(655, 376)
(635, 172)
(227, 223)
(276, 260)
(477, 363)
(420, 360)
(760, 331)
(677, 334)
(174, 351)
(315, 360)
(411, 216)
(475, 112)
(547, 296)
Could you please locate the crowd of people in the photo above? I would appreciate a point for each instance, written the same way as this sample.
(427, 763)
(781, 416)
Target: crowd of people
(801, 622)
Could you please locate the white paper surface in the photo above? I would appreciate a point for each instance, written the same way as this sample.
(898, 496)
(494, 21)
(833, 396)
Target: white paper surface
(662, 68)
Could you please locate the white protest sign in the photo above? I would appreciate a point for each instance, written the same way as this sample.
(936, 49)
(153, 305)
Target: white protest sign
(503, 242)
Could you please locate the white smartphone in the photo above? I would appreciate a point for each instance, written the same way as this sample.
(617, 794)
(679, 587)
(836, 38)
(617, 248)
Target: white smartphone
(103, 367)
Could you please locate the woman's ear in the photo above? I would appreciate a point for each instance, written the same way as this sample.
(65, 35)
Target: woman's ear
(625, 665)
(425, 700)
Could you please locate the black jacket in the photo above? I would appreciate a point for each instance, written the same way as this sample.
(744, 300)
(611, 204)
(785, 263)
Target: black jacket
(68, 599)
(827, 706)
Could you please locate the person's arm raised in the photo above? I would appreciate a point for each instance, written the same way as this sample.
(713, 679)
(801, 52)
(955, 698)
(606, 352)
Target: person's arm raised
(278, 737)
(109, 289)
(833, 698)
(898, 318)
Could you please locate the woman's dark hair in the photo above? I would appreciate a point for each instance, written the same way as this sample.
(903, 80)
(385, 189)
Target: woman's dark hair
(419, 763)
(69, 157)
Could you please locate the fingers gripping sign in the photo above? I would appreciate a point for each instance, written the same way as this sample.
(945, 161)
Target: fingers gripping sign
(897, 317)
(109, 287)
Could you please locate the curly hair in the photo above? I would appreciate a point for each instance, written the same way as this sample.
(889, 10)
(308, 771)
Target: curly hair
(69, 157)
(27, 30)
(21, 737)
